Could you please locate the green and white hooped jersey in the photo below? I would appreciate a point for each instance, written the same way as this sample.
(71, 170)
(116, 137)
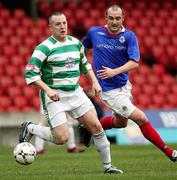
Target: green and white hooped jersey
(58, 64)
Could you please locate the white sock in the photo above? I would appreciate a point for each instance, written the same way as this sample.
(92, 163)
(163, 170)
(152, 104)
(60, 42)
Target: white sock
(103, 147)
(41, 131)
(71, 139)
(39, 143)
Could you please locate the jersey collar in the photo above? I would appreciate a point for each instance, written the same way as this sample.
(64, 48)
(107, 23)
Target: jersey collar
(122, 30)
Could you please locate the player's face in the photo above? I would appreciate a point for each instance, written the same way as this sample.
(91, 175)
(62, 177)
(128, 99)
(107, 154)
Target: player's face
(59, 27)
(114, 20)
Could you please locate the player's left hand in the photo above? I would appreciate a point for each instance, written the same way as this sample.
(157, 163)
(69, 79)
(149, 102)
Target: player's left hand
(105, 73)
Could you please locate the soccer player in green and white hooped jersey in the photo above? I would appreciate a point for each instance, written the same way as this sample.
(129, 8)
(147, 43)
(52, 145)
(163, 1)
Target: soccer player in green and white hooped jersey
(55, 68)
(59, 63)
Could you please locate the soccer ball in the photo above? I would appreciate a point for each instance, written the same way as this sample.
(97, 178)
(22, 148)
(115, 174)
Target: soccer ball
(24, 153)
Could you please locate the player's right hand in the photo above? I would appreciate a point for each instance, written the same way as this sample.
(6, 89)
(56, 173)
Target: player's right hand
(53, 95)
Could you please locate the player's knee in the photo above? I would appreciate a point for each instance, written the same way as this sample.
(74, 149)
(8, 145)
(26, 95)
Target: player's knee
(121, 123)
(139, 117)
(62, 139)
(143, 120)
(96, 127)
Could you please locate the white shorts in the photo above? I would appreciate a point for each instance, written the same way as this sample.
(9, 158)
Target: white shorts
(119, 100)
(76, 103)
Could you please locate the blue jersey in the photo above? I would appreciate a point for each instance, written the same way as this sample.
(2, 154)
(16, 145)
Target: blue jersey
(112, 51)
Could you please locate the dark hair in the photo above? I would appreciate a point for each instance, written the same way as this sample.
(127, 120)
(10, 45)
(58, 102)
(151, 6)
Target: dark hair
(56, 13)
(115, 7)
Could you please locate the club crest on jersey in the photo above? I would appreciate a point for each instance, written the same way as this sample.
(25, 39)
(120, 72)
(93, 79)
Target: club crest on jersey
(69, 62)
(29, 67)
(122, 39)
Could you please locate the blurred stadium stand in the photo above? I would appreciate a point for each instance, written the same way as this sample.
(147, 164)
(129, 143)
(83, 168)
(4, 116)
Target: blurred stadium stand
(154, 23)
(24, 24)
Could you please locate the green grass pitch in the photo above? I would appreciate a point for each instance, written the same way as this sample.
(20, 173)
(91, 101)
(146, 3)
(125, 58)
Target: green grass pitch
(139, 162)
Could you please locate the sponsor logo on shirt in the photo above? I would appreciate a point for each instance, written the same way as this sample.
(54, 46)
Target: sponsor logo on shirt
(107, 46)
(29, 67)
(69, 62)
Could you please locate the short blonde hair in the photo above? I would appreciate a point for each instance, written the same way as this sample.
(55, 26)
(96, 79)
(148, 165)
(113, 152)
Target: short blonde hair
(56, 13)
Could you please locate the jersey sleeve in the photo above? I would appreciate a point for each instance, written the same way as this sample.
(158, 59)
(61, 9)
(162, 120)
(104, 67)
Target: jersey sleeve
(32, 70)
(87, 42)
(84, 65)
(133, 48)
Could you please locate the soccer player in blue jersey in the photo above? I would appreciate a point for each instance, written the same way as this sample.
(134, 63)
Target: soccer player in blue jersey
(115, 53)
